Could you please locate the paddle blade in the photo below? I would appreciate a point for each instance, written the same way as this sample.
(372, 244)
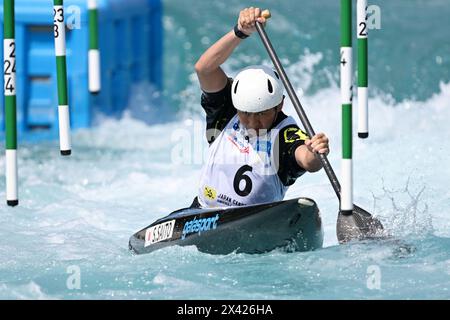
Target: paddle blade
(358, 226)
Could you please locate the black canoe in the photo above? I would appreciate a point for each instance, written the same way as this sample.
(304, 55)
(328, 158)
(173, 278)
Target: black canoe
(292, 224)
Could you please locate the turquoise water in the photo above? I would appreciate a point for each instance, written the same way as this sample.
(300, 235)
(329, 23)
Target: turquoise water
(77, 213)
(408, 55)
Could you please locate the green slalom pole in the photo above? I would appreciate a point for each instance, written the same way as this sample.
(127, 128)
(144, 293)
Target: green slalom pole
(9, 91)
(346, 97)
(61, 70)
(363, 108)
(94, 52)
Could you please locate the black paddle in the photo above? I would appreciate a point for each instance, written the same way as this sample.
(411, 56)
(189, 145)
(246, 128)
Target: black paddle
(357, 225)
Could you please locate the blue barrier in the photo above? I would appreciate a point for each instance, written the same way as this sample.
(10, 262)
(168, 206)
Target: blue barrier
(130, 41)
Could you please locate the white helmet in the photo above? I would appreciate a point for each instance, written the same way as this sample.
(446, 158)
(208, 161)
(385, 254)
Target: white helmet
(256, 89)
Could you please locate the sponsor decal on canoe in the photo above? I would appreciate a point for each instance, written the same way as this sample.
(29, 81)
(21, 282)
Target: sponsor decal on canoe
(199, 225)
(160, 232)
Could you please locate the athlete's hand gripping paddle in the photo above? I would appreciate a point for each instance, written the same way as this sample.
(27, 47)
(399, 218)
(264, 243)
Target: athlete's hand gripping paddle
(359, 224)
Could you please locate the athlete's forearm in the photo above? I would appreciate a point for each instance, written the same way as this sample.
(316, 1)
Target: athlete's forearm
(307, 159)
(218, 53)
(210, 75)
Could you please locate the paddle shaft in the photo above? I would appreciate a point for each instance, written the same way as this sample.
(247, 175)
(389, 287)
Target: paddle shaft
(298, 106)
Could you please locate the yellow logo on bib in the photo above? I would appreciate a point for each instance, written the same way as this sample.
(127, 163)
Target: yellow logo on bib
(209, 193)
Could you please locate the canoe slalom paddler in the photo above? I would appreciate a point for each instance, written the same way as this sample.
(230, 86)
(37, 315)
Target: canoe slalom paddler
(255, 150)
